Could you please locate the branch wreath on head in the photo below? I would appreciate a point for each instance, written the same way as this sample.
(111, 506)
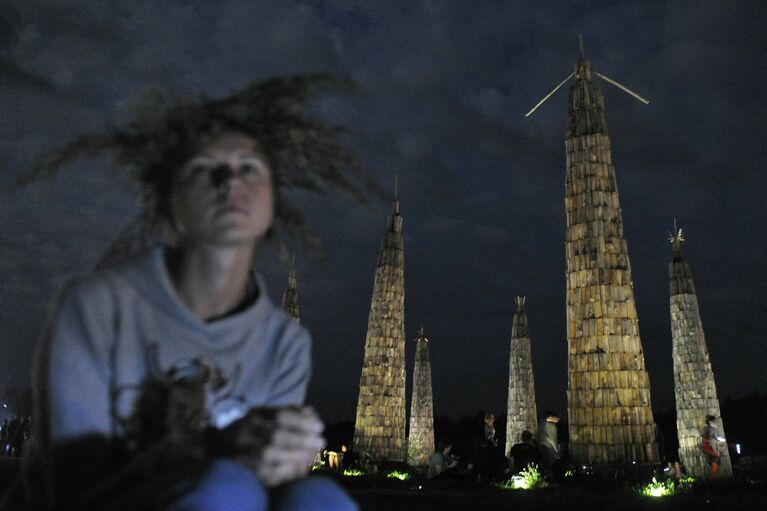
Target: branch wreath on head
(303, 151)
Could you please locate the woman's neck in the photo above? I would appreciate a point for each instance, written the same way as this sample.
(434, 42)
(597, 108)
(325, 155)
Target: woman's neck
(211, 280)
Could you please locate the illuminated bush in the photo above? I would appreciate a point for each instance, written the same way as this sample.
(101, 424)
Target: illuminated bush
(658, 488)
(318, 465)
(528, 479)
(395, 474)
(666, 488)
(353, 472)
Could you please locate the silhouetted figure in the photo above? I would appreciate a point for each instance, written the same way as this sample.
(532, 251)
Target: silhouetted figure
(16, 442)
(524, 453)
(487, 460)
(13, 431)
(3, 436)
(491, 438)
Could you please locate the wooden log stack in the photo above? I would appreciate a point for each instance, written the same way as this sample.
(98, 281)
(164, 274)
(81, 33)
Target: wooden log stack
(421, 432)
(290, 296)
(609, 408)
(379, 429)
(522, 413)
(694, 385)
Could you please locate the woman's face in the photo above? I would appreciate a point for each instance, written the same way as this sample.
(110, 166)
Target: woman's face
(223, 194)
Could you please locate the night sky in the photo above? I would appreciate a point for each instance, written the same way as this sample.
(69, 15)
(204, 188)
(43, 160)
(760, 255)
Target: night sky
(444, 89)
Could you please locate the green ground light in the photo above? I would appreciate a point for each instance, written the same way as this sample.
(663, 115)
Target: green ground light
(528, 479)
(395, 474)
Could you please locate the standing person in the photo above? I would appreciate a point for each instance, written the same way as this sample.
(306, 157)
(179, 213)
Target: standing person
(709, 446)
(170, 380)
(487, 459)
(524, 453)
(491, 438)
(548, 442)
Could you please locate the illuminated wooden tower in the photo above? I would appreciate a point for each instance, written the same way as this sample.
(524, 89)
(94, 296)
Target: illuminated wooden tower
(290, 296)
(421, 432)
(694, 384)
(522, 413)
(379, 428)
(608, 389)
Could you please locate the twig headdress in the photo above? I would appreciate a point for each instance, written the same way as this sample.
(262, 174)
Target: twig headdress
(303, 151)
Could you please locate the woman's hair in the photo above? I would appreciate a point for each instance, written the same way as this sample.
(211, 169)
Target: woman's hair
(302, 151)
(710, 418)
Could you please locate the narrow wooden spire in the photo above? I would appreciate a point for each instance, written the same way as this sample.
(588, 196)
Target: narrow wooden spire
(290, 296)
(609, 406)
(694, 385)
(379, 428)
(421, 434)
(521, 413)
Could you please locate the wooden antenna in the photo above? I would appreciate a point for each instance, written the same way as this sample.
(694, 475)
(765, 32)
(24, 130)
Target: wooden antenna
(396, 193)
(603, 77)
(622, 87)
(549, 94)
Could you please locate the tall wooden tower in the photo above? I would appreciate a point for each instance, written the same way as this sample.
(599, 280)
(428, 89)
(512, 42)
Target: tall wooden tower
(522, 414)
(420, 447)
(290, 296)
(379, 428)
(694, 384)
(608, 389)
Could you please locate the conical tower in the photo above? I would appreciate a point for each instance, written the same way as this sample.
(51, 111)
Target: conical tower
(522, 414)
(421, 434)
(379, 428)
(693, 378)
(290, 296)
(609, 409)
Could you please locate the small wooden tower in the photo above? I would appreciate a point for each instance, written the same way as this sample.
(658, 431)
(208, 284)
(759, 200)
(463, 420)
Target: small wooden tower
(694, 385)
(522, 414)
(609, 408)
(290, 296)
(420, 447)
(379, 429)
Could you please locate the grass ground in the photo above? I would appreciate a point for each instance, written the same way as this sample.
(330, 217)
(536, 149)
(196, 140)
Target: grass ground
(580, 493)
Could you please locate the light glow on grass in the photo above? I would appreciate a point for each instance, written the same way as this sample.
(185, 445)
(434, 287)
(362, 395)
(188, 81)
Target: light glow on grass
(396, 474)
(666, 488)
(528, 479)
(353, 472)
(658, 488)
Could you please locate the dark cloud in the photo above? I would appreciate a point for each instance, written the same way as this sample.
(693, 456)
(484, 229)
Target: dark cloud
(444, 89)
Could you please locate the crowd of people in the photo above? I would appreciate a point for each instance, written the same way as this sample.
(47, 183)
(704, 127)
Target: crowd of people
(542, 449)
(489, 464)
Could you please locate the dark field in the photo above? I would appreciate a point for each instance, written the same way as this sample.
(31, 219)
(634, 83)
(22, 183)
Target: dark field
(745, 491)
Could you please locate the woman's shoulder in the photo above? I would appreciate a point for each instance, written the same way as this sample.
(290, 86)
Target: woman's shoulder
(111, 278)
